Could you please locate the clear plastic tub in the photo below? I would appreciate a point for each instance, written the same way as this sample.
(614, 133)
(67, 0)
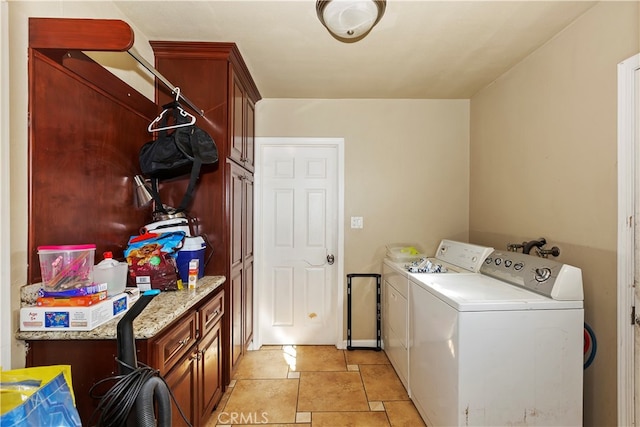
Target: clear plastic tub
(111, 272)
(404, 252)
(66, 267)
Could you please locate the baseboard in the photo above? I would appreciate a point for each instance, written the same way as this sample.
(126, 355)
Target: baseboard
(361, 343)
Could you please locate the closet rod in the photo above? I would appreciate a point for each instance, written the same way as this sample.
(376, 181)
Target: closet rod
(166, 82)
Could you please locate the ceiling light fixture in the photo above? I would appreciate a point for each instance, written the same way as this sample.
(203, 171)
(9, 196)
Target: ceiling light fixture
(350, 20)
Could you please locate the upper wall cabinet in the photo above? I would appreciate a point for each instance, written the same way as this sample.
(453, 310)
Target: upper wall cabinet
(243, 124)
(217, 80)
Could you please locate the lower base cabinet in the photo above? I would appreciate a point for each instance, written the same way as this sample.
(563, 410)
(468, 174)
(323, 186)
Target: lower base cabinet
(182, 382)
(187, 354)
(196, 381)
(210, 364)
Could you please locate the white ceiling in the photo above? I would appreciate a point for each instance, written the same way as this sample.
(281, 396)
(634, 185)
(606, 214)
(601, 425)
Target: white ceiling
(420, 49)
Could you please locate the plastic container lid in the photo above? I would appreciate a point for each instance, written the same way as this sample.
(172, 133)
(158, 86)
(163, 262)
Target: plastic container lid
(63, 248)
(193, 244)
(108, 261)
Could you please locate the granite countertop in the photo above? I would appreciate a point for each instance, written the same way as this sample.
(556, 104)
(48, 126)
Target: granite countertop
(160, 312)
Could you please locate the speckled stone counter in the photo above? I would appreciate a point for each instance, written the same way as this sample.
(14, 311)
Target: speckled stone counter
(160, 312)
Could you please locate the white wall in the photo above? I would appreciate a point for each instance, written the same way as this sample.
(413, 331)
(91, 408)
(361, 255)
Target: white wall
(406, 169)
(544, 164)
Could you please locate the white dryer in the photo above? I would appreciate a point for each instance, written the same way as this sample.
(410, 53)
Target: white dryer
(504, 347)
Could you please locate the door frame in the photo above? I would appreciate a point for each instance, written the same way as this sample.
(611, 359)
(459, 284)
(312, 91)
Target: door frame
(628, 192)
(260, 143)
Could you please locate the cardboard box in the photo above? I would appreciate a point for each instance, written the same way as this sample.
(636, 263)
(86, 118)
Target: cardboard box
(72, 318)
(83, 301)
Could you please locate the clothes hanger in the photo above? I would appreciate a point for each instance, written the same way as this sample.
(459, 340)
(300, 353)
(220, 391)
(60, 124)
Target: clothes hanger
(175, 104)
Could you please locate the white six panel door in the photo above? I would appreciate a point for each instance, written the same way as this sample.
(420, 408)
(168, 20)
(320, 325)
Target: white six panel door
(299, 204)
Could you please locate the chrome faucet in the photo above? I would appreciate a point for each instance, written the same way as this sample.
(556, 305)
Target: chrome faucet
(527, 246)
(514, 247)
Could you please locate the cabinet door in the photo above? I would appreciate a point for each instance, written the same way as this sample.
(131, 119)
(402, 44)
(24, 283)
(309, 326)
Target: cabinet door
(249, 146)
(247, 216)
(182, 382)
(237, 112)
(248, 303)
(247, 288)
(237, 342)
(210, 372)
(236, 190)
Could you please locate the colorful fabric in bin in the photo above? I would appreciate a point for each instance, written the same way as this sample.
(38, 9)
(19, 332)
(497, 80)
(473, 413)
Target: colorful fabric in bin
(38, 396)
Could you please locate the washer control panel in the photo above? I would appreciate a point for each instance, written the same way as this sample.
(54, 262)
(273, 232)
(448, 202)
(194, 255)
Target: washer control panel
(541, 275)
(464, 255)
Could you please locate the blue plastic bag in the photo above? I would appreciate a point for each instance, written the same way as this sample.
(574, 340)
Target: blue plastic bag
(39, 396)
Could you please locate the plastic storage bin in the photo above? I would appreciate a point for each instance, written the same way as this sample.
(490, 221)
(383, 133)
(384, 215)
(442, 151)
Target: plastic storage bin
(66, 267)
(111, 272)
(404, 252)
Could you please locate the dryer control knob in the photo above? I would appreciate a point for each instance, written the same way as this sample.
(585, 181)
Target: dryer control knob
(543, 274)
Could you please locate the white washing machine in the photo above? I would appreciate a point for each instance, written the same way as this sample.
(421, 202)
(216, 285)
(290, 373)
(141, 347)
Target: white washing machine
(450, 257)
(504, 347)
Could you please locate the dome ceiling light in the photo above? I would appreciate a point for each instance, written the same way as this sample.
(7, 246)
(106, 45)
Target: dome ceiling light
(350, 20)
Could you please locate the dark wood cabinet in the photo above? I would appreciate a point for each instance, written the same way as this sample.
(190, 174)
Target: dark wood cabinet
(210, 366)
(182, 382)
(196, 379)
(241, 224)
(242, 124)
(216, 79)
(187, 353)
(247, 258)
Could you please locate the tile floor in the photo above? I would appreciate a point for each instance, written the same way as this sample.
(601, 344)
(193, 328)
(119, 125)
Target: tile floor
(315, 386)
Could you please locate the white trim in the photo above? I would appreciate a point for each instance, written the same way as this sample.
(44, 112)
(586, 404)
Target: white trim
(260, 142)
(627, 167)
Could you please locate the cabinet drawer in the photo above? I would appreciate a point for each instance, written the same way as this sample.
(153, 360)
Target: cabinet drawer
(211, 312)
(169, 348)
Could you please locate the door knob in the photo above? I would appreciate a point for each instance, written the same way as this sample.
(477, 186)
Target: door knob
(330, 259)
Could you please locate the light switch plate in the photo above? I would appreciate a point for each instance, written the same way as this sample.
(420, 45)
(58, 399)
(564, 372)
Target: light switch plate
(357, 222)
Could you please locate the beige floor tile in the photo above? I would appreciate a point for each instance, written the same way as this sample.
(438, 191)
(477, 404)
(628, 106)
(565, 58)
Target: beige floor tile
(318, 358)
(273, 425)
(331, 391)
(270, 347)
(263, 364)
(403, 414)
(349, 419)
(275, 399)
(376, 406)
(220, 408)
(366, 357)
(382, 383)
(303, 417)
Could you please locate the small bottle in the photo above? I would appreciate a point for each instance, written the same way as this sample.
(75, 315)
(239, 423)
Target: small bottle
(193, 273)
(108, 260)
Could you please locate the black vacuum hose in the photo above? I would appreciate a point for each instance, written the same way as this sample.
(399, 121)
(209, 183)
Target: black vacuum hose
(137, 385)
(154, 389)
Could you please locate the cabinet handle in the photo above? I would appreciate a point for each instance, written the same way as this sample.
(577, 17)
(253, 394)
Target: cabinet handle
(215, 313)
(183, 342)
